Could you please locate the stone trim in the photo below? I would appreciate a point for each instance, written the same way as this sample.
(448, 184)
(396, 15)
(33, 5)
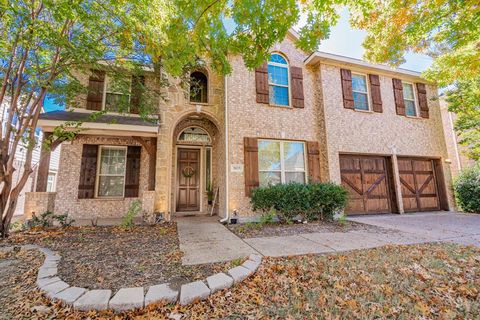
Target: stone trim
(125, 299)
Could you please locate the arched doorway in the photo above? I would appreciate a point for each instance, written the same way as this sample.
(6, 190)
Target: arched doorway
(197, 161)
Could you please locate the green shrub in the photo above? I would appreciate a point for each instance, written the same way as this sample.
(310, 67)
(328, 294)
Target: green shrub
(309, 201)
(133, 211)
(467, 189)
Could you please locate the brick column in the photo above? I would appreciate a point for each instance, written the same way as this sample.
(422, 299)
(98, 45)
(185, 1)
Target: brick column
(398, 185)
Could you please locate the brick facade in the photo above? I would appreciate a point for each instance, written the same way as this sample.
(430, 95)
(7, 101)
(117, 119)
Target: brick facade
(322, 119)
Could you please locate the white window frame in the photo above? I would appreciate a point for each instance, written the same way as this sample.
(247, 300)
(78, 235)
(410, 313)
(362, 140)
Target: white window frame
(97, 175)
(367, 84)
(105, 88)
(281, 65)
(415, 104)
(54, 181)
(282, 160)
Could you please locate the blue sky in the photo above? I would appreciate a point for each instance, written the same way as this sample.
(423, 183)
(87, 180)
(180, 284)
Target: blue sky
(343, 41)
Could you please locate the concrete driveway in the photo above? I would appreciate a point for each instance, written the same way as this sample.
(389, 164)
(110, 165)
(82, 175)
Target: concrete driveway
(454, 227)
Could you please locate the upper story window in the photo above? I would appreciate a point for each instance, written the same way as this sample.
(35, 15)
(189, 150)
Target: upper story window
(117, 95)
(281, 162)
(198, 87)
(278, 75)
(409, 99)
(360, 91)
(122, 94)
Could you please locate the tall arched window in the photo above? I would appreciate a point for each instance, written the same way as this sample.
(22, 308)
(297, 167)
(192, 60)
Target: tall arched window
(198, 87)
(278, 80)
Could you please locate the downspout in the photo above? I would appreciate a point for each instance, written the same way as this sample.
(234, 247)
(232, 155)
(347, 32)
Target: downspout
(225, 102)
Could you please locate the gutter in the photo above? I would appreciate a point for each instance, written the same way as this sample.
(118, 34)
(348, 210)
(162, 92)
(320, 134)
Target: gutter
(225, 87)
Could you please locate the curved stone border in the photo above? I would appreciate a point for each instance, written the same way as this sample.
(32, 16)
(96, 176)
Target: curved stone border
(130, 298)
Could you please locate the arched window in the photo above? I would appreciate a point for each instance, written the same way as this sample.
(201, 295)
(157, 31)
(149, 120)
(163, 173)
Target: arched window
(194, 134)
(198, 87)
(278, 80)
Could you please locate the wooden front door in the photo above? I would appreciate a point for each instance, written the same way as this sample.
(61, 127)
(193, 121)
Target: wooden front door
(188, 179)
(367, 181)
(419, 184)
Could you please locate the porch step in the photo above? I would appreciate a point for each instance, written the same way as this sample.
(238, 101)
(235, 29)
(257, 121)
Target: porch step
(190, 214)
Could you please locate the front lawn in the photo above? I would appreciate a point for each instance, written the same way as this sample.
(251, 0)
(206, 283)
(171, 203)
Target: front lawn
(429, 281)
(112, 258)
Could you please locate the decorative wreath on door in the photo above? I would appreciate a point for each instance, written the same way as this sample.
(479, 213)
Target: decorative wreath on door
(188, 172)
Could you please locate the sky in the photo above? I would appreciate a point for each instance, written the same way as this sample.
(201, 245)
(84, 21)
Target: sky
(343, 41)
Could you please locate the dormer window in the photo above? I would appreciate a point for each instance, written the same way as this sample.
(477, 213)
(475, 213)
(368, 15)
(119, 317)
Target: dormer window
(278, 75)
(198, 87)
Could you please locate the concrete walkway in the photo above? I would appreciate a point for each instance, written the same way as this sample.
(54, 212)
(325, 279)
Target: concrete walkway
(205, 240)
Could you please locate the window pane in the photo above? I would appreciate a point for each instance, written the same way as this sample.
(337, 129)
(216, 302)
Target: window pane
(208, 173)
(269, 155)
(279, 95)
(359, 83)
(112, 161)
(269, 178)
(278, 59)
(410, 108)
(408, 91)
(116, 102)
(110, 186)
(278, 75)
(294, 157)
(298, 177)
(360, 101)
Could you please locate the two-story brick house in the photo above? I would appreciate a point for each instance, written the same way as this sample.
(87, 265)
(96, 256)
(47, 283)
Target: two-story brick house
(300, 117)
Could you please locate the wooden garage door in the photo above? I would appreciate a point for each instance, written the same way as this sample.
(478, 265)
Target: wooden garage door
(367, 181)
(419, 184)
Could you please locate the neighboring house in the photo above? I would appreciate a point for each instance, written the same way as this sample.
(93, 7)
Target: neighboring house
(300, 117)
(456, 152)
(19, 162)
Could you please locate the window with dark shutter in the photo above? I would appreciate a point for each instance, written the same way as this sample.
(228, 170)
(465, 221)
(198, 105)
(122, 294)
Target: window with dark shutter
(376, 93)
(398, 95)
(422, 100)
(296, 74)
(132, 173)
(96, 85)
(346, 76)
(313, 151)
(261, 84)
(250, 150)
(138, 83)
(88, 171)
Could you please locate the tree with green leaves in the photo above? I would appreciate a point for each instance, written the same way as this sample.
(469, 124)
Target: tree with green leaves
(449, 32)
(45, 43)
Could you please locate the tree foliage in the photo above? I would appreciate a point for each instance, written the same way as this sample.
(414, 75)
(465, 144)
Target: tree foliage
(448, 31)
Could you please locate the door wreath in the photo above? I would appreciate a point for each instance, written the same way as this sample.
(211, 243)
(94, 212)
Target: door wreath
(188, 172)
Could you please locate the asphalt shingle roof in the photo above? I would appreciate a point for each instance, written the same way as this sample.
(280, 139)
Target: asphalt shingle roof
(105, 118)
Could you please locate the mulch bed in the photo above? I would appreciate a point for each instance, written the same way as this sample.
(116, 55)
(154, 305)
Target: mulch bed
(256, 230)
(112, 258)
(428, 281)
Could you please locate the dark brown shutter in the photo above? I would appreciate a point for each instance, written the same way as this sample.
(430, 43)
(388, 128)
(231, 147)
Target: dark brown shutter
(250, 150)
(346, 76)
(261, 84)
(422, 100)
(376, 93)
(88, 172)
(398, 95)
(313, 151)
(95, 90)
(132, 174)
(136, 95)
(296, 74)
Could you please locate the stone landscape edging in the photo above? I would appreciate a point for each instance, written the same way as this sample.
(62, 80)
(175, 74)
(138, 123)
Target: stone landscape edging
(131, 298)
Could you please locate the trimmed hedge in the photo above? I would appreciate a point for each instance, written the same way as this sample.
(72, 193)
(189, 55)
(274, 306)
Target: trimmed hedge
(467, 189)
(309, 201)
